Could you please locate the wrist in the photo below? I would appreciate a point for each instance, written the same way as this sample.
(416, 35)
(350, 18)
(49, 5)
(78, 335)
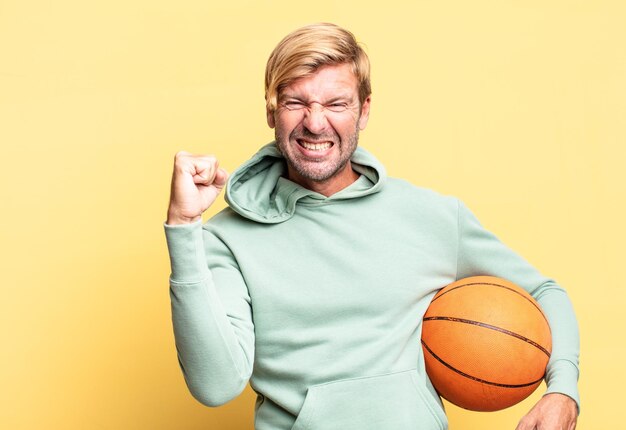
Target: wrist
(563, 398)
(177, 219)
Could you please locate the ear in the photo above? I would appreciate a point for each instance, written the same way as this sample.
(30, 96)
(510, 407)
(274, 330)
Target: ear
(270, 117)
(365, 113)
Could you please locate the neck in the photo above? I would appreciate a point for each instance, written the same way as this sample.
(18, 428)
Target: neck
(330, 186)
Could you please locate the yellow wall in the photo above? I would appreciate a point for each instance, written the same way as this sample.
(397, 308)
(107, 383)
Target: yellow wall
(517, 107)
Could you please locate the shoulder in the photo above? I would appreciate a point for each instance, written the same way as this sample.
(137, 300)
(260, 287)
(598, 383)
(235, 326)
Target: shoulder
(410, 194)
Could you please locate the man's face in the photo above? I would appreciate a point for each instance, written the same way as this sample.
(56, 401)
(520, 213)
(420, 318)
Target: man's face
(317, 124)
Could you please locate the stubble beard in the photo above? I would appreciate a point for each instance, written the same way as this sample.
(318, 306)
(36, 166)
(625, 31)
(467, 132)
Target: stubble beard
(316, 170)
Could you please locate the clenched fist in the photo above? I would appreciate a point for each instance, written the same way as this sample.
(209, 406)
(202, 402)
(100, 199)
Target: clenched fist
(196, 182)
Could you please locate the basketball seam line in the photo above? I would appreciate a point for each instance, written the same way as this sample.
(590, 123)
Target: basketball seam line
(495, 285)
(491, 327)
(474, 378)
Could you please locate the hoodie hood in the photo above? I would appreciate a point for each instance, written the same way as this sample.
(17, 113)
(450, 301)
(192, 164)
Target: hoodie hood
(260, 191)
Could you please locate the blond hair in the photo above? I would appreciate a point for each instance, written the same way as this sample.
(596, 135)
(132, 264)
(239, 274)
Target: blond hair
(307, 49)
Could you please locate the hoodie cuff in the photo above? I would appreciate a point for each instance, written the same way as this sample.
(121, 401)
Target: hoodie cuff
(186, 249)
(562, 377)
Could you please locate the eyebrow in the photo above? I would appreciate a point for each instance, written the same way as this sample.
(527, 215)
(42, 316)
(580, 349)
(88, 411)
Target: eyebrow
(334, 98)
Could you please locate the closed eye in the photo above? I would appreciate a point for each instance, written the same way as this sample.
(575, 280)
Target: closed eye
(337, 106)
(294, 104)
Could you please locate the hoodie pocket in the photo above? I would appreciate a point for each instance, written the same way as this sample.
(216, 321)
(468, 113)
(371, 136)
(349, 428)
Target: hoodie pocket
(395, 401)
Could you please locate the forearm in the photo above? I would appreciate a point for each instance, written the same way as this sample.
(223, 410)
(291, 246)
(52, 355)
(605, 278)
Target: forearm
(215, 351)
(562, 371)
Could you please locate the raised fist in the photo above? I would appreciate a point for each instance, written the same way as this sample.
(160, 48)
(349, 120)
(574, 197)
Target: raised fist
(196, 182)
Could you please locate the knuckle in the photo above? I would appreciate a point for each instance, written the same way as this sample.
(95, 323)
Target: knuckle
(180, 154)
(181, 157)
(186, 161)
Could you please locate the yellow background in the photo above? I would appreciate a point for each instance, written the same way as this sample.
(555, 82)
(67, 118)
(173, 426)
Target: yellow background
(517, 107)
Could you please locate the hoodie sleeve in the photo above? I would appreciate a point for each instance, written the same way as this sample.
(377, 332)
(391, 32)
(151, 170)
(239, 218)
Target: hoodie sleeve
(481, 253)
(211, 314)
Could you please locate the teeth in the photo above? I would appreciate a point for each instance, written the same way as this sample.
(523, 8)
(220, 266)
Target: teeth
(316, 146)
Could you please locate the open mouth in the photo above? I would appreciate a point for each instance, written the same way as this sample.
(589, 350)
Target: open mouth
(314, 146)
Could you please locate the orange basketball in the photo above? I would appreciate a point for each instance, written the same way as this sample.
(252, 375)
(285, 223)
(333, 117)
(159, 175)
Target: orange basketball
(486, 343)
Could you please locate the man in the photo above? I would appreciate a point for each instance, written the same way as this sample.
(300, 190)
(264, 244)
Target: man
(313, 283)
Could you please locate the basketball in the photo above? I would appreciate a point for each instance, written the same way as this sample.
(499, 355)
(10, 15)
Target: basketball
(486, 343)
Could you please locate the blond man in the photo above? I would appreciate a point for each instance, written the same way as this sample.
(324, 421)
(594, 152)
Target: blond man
(312, 284)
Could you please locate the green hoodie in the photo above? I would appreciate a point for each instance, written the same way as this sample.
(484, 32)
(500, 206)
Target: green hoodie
(318, 301)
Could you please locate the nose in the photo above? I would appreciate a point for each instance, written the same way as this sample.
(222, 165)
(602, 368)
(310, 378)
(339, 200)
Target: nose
(315, 118)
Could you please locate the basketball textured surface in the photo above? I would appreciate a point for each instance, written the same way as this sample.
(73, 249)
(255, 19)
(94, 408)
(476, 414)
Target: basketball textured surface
(486, 343)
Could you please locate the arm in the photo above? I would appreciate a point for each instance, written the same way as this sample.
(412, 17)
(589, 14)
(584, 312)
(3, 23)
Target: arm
(211, 315)
(211, 310)
(481, 253)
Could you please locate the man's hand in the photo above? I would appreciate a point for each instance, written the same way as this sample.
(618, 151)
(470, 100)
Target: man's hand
(553, 412)
(196, 182)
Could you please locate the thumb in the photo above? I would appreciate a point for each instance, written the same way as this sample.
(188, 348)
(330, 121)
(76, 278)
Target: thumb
(221, 176)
